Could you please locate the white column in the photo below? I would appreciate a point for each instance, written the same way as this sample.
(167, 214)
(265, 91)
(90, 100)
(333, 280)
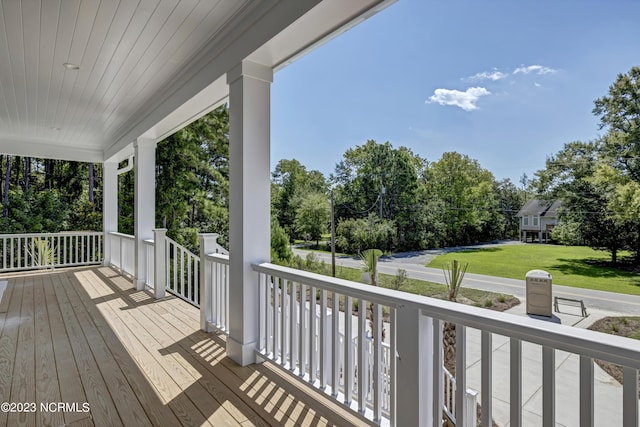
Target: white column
(145, 203)
(415, 368)
(109, 206)
(249, 201)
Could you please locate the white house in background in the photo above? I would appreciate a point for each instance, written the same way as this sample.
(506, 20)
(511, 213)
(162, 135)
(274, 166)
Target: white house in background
(537, 219)
(105, 81)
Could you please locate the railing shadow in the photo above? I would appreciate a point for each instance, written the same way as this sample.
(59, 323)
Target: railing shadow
(275, 396)
(260, 393)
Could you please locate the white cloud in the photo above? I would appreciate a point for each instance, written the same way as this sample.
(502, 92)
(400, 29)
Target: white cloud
(465, 100)
(493, 75)
(536, 84)
(536, 69)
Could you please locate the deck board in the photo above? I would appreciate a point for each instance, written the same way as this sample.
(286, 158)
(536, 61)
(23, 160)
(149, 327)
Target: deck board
(23, 387)
(47, 388)
(86, 335)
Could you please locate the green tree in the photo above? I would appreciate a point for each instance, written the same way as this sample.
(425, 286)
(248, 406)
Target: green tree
(467, 192)
(312, 217)
(192, 180)
(571, 175)
(357, 235)
(280, 249)
(510, 199)
(291, 184)
(619, 114)
(377, 178)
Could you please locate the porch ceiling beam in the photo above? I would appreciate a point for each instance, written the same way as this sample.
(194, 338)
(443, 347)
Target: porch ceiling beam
(274, 36)
(257, 28)
(49, 151)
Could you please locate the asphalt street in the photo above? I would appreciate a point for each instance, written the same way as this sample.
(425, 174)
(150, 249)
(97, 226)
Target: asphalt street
(609, 301)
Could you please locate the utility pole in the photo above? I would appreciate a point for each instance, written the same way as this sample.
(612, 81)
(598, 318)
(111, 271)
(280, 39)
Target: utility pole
(382, 192)
(333, 240)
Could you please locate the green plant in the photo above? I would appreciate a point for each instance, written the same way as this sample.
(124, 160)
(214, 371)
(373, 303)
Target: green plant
(502, 298)
(399, 279)
(488, 303)
(42, 253)
(453, 276)
(370, 260)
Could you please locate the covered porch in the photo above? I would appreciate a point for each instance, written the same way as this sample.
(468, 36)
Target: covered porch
(248, 333)
(133, 360)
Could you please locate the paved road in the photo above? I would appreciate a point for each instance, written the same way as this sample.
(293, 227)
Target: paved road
(609, 301)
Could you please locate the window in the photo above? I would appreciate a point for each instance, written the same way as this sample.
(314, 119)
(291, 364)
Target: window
(525, 220)
(535, 220)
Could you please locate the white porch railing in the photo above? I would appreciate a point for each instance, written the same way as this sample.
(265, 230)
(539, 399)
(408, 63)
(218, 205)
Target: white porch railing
(150, 256)
(183, 275)
(296, 349)
(215, 308)
(48, 250)
(404, 383)
(449, 398)
(123, 252)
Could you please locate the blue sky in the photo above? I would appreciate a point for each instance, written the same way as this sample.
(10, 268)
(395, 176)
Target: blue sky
(505, 82)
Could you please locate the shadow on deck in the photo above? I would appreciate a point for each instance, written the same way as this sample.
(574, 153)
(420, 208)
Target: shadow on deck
(85, 336)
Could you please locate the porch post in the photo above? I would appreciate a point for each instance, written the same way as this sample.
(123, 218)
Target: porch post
(109, 206)
(207, 241)
(249, 201)
(145, 203)
(159, 262)
(415, 369)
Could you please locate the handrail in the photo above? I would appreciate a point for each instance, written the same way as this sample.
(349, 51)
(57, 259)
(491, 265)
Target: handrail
(123, 235)
(28, 251)
(283, 290)
(215, 282)
(378, 295)
(612, 348)
(219, 258)
(182, 248)
(182, 272)
(122, 254)
(59, 233)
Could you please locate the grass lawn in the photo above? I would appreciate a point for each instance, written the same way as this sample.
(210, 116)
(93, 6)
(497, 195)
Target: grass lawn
(577, 266)
(475, 297)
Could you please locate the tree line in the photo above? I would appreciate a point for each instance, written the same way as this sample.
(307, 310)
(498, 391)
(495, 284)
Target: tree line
(599, 180)
(45, 195)
(385, 197)
(392, 199)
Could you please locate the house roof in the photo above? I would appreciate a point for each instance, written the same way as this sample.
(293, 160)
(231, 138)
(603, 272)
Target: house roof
(544, 208)
(146, 68)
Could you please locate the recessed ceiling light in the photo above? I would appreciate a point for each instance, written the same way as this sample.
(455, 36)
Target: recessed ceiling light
(55, 128)
(70, 66)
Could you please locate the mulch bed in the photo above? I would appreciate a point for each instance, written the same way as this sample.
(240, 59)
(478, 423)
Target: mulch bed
(623, 326)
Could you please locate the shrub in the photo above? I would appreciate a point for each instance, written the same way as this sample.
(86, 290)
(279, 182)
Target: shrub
(399, 279)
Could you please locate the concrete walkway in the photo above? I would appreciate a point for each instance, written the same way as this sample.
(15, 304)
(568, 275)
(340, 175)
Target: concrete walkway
(608, 392)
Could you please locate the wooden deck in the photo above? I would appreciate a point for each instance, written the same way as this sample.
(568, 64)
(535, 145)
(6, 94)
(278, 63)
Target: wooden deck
(85, 336)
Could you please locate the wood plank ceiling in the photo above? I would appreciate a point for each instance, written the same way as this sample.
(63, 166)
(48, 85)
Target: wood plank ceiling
(144, 67)
(126, 50)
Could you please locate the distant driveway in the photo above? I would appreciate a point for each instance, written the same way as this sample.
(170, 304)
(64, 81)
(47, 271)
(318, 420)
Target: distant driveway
(414, 264)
